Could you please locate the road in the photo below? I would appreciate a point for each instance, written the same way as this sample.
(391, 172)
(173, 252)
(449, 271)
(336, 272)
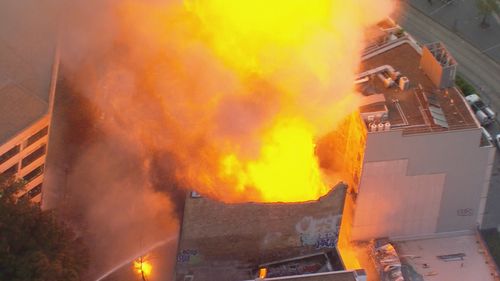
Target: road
(464, 19)
(479, 70)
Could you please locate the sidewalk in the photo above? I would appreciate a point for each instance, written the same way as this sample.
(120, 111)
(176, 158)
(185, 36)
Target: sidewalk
(463, 18)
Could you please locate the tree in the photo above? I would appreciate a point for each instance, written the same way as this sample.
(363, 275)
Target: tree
(486, 8)
(34, 244)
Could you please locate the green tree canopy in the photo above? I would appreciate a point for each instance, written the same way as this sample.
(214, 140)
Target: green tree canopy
(486, 8)
(34, 244)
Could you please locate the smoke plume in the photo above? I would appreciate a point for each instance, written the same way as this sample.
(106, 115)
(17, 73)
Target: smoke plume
(224, 97)
(235, 92)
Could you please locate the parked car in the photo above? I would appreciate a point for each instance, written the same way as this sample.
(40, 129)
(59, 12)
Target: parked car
(487, 135)
(484, 113)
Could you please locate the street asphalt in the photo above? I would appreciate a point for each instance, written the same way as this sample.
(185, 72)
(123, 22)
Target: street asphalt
(463, 18)
(477, 67)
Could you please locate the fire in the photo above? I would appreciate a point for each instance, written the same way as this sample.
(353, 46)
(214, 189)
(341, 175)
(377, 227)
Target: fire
(143, 267)
(243, 89)
(287, 165)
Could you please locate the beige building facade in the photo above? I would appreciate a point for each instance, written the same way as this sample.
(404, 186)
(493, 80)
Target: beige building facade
(426, 164)
(28, 74)
(422, 184)
(23, 156)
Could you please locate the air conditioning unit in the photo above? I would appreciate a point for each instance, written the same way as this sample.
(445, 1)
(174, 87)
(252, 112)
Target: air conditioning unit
(395, 75)
(388, 82)
(404, 83)
(387, 126)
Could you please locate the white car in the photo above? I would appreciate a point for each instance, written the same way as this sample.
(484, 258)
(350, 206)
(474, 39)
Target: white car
(487, 135)
(497, 140)
(483, 112)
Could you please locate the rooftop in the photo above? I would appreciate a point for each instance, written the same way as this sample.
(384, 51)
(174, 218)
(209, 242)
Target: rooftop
(418, 108)
(27, 45)
(234, 239)
(327, 276)
(447, 259)
(381, 33)
(326, 261)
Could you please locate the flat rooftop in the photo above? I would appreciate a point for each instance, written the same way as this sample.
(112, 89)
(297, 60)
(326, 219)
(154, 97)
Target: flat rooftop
(413, 109)
(446, 259)
(321, 262)
(380, 33)
(327, 276)
(27, 48)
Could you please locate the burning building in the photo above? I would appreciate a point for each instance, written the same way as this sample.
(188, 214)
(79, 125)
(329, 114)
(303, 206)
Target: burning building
(233, 241)
(415, 164)
(245, 106)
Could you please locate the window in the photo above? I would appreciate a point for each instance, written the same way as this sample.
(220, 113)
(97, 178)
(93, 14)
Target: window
(33, 174)
(38, 135)
(33, 192)
(9, 154)
(33, 156)
(10, 171)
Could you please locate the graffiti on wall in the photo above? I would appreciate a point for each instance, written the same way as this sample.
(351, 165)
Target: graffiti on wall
(319, 232)
(186, 256)
(328, 240)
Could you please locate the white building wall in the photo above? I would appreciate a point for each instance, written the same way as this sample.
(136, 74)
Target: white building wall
(484, 192)
(421, 184)
(393, 202)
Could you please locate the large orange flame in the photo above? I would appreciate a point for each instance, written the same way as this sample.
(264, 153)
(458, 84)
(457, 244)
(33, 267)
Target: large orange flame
(244, 88)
